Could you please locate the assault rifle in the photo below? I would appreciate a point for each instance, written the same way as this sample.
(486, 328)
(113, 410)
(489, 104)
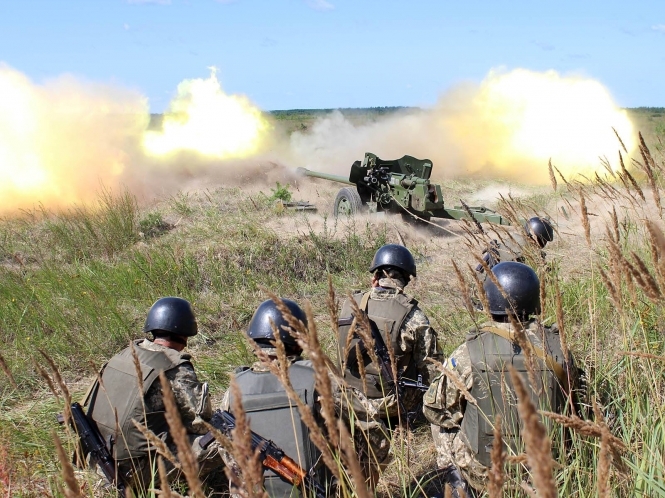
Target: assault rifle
(272, 457)
(385, 368)
(93, 444)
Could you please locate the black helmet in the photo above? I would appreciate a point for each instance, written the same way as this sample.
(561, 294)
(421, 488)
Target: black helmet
(260, 328)
(173, 315)
(541, 228)
(522, 287)
(395, 256)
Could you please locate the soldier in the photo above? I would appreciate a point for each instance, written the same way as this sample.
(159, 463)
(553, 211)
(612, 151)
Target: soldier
(120, 397)
(270, 412)
(539, 232)
(462, 431)
(407, 331)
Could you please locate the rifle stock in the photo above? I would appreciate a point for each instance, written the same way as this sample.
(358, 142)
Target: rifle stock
(93, 444)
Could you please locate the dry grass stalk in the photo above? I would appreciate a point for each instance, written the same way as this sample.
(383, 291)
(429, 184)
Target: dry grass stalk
(562, 177)
(648, 168)
(615, 225)
(630, 177)
(620, 141)
(279, 368)
(516, 459)
(490, 274)
(464, 289)
(361, 366)
(586, 428)
(137, 366)
(178, 432)
(323, 384)
(657, 245)
(165, 487)
(606, 163)
(246, 457)
(604, 459)
(538, 445)
(351, 462)
(651, 286)
(73, 489)
(495, 475)
(530, 492)
(61, 384)
(481, 293)
(560, 320)
(542, 290)
(8, 373)
(158, 444)
(584, 213)
(455, 379)
(643, 355)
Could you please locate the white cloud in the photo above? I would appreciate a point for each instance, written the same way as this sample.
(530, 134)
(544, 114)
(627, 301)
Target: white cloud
(125, 27)
(321, 5)
(659, 27)
(148, 2)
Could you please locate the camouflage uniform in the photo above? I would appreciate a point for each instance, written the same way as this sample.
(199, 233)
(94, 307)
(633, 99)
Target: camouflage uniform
(194, 407)
(444, 406)
(371, 415)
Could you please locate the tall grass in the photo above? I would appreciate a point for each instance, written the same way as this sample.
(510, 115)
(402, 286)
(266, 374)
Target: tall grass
(78, 285)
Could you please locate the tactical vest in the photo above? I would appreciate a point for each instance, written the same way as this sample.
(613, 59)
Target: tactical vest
(389, 316)
(120, 400)
(274, 416)
(490, 355)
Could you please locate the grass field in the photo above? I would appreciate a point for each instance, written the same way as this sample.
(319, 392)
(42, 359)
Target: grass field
(76, 285)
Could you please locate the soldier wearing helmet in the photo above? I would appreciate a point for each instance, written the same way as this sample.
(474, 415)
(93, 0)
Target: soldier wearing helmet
(462, 431)
(270, 411)
(406, 329)
(118, 397)
(539, 232)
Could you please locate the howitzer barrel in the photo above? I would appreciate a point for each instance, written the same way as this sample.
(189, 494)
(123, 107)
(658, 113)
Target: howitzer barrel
(324, 176)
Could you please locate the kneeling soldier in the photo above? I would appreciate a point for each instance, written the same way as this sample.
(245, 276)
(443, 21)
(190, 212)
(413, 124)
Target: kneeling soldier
(462, 431)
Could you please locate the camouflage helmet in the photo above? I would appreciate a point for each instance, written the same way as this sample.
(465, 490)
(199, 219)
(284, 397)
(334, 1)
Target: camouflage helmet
(172, 315)
(394, 256)
(521, 286)
(541, 229)
(261, 326)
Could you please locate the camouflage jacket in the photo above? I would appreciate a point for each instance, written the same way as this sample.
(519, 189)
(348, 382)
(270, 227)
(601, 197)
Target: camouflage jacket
(416, 337)
(191, 395)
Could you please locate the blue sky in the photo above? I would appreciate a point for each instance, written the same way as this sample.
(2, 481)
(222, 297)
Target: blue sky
(286, 54)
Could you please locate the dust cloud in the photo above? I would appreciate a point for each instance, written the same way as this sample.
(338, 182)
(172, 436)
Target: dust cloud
(61, 141)
(507, 127)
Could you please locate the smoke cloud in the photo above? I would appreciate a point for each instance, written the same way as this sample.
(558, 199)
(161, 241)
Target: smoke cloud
(62, 140)
(508, 126)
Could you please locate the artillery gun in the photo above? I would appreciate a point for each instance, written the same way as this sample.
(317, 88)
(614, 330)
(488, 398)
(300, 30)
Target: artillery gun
(398, 186)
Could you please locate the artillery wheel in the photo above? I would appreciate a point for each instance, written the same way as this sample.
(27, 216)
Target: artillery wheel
(347, 202)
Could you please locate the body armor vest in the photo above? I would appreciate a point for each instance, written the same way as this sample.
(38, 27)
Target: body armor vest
(389, 316)
(274, 416)
(121, 397)
(490, 355)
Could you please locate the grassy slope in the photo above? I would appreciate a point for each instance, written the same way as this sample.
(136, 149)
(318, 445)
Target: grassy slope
(77, 285)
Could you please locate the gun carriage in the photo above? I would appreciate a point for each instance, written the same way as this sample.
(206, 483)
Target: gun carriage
(397, 186)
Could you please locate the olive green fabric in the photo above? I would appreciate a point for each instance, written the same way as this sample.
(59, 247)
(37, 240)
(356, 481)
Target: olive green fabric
(490, 355)
(274, 416)
(389, 316)
(119, 399)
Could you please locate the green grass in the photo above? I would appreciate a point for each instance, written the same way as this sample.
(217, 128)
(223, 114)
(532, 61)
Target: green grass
(78, 283)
